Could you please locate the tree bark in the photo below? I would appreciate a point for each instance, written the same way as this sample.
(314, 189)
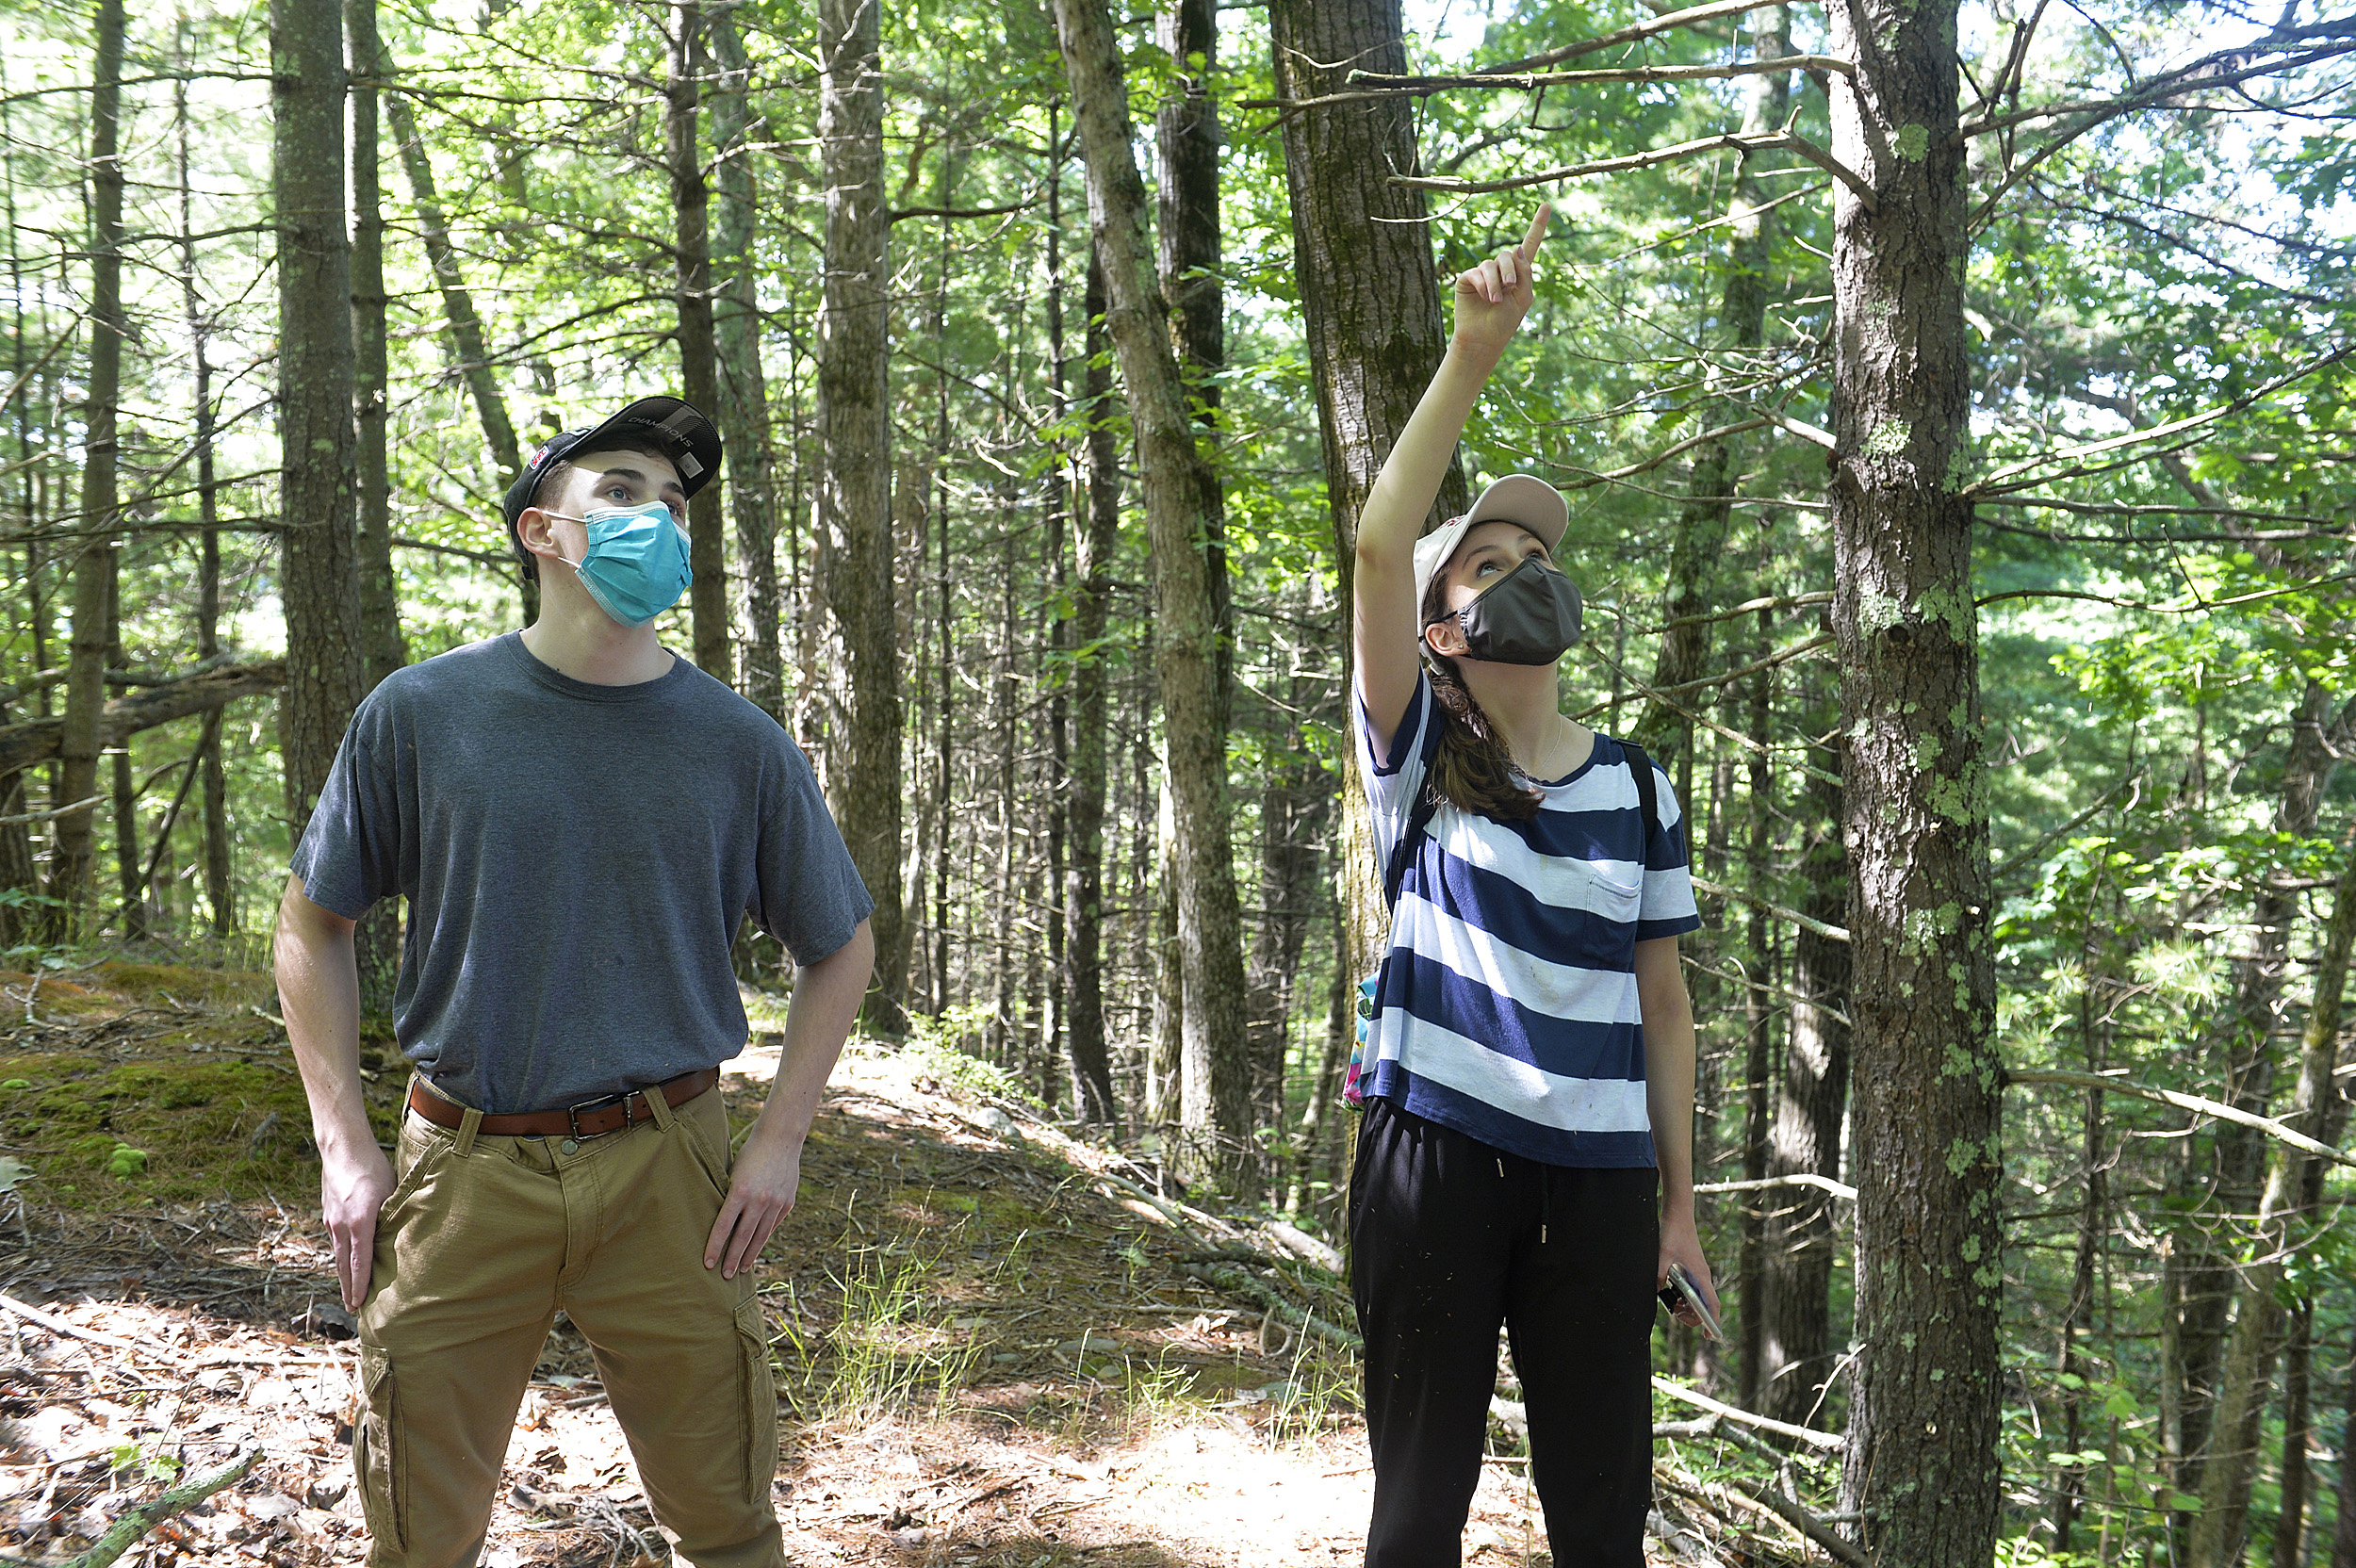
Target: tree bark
(2290, 1524)
(1921, 1468)
(1796, 1351)
(1187, 141)
(93, 574)
(2344, 1531)
(2242, 1047)
(1091, 601)
(132, 920)
(35, 740)
(1760, 1205)
(699, 352)
(466, 327)
(742, 410)
(382, 649)
(1699, 540)
(2245, 1380)
(1216, 1100)
(1370, 309)
(315, 391)
(219, 894)
(2093, 1232)
(855, 477)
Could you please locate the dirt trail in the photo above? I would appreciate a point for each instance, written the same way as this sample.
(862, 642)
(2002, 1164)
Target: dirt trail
(988, 1351)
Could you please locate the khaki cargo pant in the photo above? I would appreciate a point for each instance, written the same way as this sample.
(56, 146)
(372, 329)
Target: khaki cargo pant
(482, 1241)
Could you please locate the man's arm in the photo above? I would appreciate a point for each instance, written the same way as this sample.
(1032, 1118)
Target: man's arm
(319, 991)
(768, 1172)
(1669, 1098)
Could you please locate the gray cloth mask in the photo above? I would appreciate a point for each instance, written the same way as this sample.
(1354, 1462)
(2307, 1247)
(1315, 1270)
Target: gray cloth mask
(1528, 616)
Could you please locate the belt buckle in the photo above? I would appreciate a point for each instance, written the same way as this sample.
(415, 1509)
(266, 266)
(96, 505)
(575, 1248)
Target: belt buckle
(572, 1113)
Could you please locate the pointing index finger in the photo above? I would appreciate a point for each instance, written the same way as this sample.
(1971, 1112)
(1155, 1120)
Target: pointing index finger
(1528, 247)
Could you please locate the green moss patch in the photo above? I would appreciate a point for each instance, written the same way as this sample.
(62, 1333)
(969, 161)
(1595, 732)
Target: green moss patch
(102, 1134)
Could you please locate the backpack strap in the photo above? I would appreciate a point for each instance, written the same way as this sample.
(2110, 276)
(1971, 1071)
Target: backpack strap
(1648, 793)
(1403, 853)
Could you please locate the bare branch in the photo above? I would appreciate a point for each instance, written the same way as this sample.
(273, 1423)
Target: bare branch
(1809, 1435)
(1630, 34)
(1806, 922)
(1805, 1179)
(1380, 86)
(1993, 483)
(1783, 140)
(2193, 1103)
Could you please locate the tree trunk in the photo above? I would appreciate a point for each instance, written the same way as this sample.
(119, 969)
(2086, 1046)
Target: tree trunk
(1758, 1110)
(2093, 1231)
(315, 389)
(1295, 801)
(2242, 1047)
(1186, 143)
(1664, 728)
(742, 410)
(2290, 1525)
(1796, 1349)
(1921, 1466)
(466, 327)
(2246, 1376)
(1084, 876)
(699, 352)
(1216, 1098)
(133, 918)
(1186, 140)
(1370, 309)
(854, 472)
(2344, 1531)
(93, 574)
(218, 889)
(382, 649)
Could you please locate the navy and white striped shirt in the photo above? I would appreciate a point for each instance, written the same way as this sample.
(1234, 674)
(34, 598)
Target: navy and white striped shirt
(1506, 1005)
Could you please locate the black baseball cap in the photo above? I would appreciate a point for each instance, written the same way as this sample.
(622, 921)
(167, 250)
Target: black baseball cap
(670, 425)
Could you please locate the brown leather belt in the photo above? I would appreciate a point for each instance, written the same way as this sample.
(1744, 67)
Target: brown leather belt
(592, 1118)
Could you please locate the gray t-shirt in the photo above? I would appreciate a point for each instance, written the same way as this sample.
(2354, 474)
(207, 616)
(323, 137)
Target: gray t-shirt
(577, 860)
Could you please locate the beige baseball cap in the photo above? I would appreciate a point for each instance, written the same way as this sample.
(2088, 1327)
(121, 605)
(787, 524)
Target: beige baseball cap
(1523, 498)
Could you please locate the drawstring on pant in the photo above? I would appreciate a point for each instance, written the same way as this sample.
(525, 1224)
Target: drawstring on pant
(1545, 1197)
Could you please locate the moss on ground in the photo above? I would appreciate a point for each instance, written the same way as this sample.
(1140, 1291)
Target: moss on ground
(178, 1089)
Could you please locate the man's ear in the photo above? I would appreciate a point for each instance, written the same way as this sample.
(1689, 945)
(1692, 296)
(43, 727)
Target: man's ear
(531, 528)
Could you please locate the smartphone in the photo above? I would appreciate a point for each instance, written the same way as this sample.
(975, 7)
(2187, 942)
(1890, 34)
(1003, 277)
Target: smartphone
(1681, 1291)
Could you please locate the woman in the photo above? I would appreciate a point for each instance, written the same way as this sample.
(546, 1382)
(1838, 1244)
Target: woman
(1526, 1153)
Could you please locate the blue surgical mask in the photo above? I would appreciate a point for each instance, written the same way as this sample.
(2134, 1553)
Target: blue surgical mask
(635, 566)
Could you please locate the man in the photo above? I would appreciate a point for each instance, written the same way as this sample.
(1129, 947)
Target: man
(579, 820)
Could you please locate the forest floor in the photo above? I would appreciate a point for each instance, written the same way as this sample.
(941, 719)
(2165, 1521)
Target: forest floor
(993, 1346)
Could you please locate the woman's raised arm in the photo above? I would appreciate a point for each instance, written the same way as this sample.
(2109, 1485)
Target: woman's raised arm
(1491, 301)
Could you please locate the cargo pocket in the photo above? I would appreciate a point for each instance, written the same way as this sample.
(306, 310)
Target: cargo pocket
(376, 1452)
(759, 1390)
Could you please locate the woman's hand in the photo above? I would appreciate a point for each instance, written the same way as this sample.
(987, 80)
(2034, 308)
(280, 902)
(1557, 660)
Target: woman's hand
(1492, 298)
(1681, 1244)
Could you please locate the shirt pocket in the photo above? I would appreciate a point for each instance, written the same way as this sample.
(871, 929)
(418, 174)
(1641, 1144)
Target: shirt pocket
(1604, 930)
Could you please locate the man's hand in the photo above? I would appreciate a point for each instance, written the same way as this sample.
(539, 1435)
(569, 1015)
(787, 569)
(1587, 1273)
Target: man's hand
(769, 1168)
(760, 1194)
(1680, 1244)
(1492, 298)
(353, 1188)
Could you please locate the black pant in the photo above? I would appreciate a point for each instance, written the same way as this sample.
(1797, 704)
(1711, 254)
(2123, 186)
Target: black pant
(1449, 1237)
